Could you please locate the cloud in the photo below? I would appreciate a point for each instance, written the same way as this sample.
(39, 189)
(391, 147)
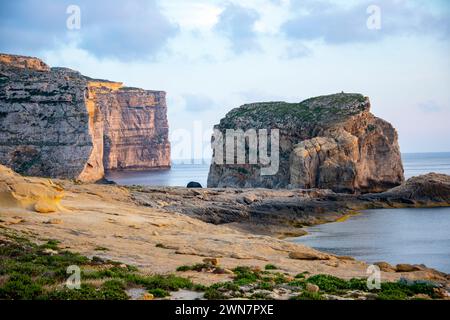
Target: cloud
(237, 24)
(197, 103)
(109, 29)
(296, 51)
(337, 24)
(430, 106)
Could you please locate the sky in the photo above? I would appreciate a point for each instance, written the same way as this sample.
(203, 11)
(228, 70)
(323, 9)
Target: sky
(211, 56)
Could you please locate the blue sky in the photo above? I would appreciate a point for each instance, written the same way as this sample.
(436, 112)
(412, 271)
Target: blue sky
(211, 56)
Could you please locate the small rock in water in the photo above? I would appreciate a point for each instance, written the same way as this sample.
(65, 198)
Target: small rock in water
(194, 184)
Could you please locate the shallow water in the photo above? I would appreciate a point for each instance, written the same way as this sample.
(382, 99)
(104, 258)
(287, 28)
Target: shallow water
(416, 236)
(178, 176)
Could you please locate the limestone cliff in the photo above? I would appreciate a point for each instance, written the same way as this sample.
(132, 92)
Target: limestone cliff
(331, 142)
(55, 122)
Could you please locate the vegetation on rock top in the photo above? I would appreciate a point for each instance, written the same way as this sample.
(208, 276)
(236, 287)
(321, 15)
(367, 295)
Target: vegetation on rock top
(313, 110)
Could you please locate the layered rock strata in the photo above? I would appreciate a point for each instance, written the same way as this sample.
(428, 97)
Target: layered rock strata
(329, 142)
(55, 122)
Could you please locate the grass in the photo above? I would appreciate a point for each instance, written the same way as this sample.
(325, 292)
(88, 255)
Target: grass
(196, 267)
(399, 290)
(311, 110)
(270, 267)
(309, 296)
(245, 276)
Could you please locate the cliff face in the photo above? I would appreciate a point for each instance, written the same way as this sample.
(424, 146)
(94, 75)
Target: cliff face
(55, 122)
(136, 129)
(331, 142)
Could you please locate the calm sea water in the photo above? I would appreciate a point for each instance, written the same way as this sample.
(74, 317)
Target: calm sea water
(178, 176)
(419, 163)
(183, 172)
(413, 236)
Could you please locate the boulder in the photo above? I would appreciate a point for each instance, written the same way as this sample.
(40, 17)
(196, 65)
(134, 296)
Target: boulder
(404, 267)
(384, 266)
(312, 288)
(38, 195)
(211, 261)
(194, 184)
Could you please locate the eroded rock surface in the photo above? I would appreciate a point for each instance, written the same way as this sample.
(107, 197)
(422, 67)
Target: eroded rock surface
(329, 142)
(55, 122)
(284, 212)
(29, 193)
(151, 235)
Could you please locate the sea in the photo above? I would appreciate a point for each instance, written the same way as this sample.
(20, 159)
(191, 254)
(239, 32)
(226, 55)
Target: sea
(185, 171)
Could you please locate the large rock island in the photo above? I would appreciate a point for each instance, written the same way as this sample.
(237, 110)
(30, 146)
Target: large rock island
(57, 123)
(328, 142)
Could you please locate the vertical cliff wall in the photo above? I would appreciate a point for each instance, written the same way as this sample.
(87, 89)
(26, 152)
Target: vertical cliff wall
(136, 129)
(55, 122)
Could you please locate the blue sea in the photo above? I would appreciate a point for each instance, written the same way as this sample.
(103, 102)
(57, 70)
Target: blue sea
(183, 172)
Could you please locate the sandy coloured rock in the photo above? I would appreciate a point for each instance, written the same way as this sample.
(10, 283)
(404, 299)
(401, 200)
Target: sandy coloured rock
(89, 208)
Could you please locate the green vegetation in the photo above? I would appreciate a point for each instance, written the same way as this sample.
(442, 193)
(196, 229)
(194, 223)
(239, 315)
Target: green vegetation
(31, 271)
(101, 249)
(270, 267)
(242, 170)
(400, 290)
(309, 296)
(196, 267)
(301, 275)
(311, 110)
(328, 283)
(245, 276)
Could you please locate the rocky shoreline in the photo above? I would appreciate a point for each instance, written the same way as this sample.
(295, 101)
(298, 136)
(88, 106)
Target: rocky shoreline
(283, 213)
(163, 231)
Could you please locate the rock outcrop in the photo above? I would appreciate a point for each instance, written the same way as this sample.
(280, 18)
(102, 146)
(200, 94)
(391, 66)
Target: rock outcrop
(35, 194)
(283, 212)
(55, 122)
(329, 142)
